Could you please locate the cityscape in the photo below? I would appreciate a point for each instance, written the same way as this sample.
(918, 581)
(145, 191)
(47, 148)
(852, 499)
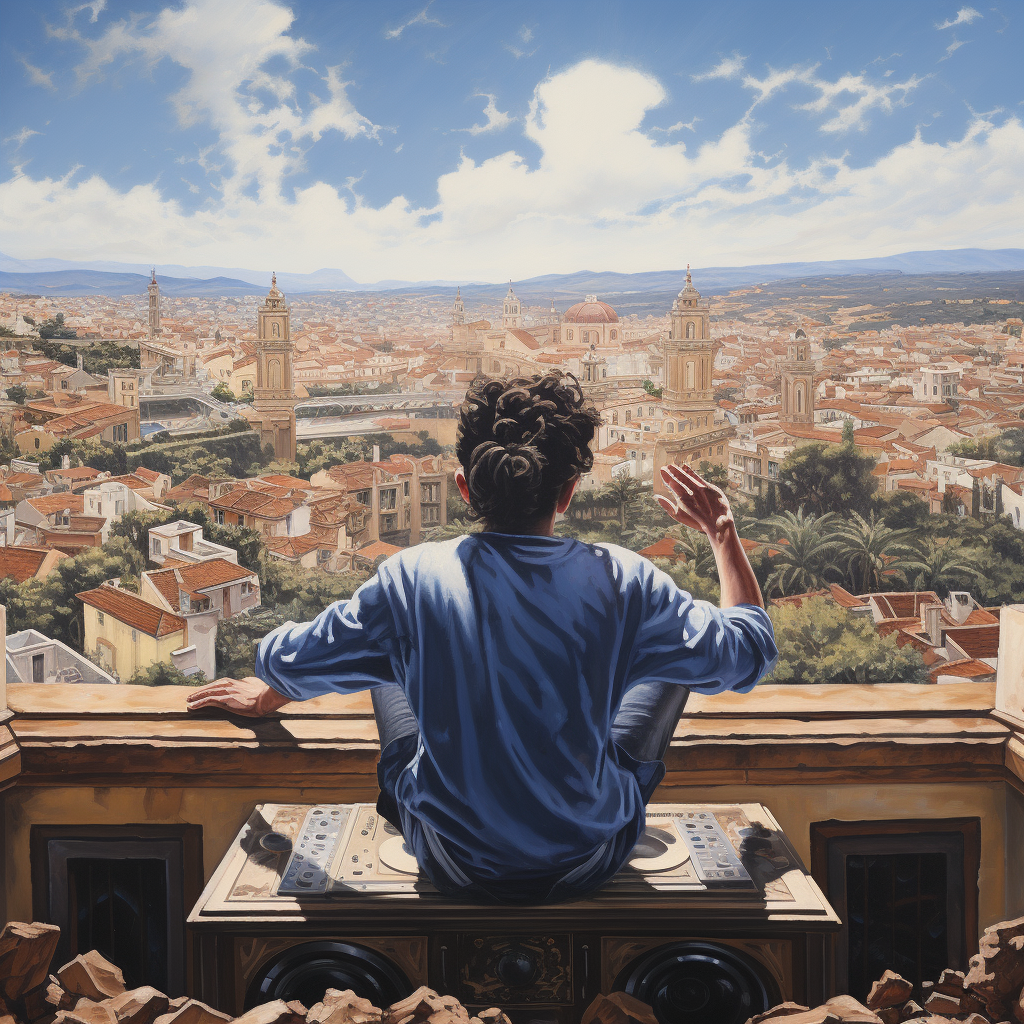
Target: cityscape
(255, 257)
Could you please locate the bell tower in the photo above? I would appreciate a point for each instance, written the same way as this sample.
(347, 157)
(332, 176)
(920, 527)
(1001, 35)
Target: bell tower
(689, 353)
(512, 314)
(274, 392)
(154, 306)
(797, 382)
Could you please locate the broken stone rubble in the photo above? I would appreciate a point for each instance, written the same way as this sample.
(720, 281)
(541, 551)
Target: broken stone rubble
(991, 992)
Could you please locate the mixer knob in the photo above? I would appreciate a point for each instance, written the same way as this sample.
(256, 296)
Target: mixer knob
(516, 968)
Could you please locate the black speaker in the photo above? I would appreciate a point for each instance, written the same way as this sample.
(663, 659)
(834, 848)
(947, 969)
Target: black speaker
(306, 971)
(696, 983)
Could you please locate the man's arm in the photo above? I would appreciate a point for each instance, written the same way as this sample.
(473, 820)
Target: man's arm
(704, 507)
(248, 696)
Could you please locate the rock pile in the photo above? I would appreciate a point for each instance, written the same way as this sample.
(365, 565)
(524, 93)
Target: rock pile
(91, 990)
(992, 992)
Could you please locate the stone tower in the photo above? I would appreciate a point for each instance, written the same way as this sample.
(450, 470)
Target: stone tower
(274, 398)
(689, 434)
(797, 382)
(512, 314)
(458, 313)
(154, 305)
(689, 354)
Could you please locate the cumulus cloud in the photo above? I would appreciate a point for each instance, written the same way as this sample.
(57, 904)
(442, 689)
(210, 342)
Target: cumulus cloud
(496, 119)
(963, 17)
(37, 76)
(728, 67)
(257, 113)
(423, 18)
(602, 184)
(678, 127)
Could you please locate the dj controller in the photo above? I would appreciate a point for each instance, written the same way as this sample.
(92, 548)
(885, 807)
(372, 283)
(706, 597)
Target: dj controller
(713, 919)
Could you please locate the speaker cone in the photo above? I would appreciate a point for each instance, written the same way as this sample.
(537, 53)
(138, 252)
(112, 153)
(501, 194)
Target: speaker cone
(696, 983)
(305, 972)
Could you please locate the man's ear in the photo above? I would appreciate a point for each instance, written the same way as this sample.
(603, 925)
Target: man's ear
(460, 482)
(565, 495)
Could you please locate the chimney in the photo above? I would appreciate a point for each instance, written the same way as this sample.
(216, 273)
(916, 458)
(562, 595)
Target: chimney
(931, 623)
(1010, 666)
(79, 359)
(376, 453)
(65, 462)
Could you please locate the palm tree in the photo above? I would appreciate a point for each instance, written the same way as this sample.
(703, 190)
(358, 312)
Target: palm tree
(805, 546)
(943, 567)
(699, 555)
(621, 490)
(873, 552)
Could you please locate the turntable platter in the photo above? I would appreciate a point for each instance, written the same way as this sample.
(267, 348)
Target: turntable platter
(657, 850)
(395, 854)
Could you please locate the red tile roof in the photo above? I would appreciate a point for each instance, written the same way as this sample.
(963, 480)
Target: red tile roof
(21, 563)
(133, 611)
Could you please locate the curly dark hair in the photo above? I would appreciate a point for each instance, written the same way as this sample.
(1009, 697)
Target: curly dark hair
(520, 441)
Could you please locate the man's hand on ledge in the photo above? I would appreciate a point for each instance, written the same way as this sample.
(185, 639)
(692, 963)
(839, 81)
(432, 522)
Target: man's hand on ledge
(249, 696)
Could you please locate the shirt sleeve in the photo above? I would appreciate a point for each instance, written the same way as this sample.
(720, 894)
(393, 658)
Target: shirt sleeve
(696, 644)
(344, 649)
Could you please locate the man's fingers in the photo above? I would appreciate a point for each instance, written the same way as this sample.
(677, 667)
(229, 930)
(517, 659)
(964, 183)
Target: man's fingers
(678, 485)
(678, 513)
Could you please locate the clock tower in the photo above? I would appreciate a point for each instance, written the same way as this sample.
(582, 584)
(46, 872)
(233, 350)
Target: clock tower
(273, 394)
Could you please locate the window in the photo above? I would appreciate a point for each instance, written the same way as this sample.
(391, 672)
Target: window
(670, 426)
(218, 515)
(613, 335)
(37, 442)
(721, 448)
(135, 636)
(935, 389)
(388, 524)
(615, 419)
(99, 618)
(389, 498)
(430, 514)
(689, 374)
(124, 890)
(405, 489)
(363, 497)
(907, 891)
(690, 329)
(568, 335)
(37, 668)
(430, 492)
(628, 417)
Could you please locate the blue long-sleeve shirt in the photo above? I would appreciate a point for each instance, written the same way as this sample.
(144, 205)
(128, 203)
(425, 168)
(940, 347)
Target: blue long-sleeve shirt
(514, 652)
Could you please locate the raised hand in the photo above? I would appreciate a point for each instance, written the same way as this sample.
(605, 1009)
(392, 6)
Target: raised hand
(249, 696)
(697, 504)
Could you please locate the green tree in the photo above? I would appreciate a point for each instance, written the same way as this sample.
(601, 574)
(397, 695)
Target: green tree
(700, 586)
(827, 478)
(874, 554)
(620, 490)
(819, 642)
(847, 431)
(17, 393)
(222, 392)
(901, 510)
(162, 673)
(54, 328)
(50, 604)
(805, 547)
(714, 473)
(700, 557)
(944, 566)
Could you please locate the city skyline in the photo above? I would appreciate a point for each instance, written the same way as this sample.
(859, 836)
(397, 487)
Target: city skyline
(458, 141)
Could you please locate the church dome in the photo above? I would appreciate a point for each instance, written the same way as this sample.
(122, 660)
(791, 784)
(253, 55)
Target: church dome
(591, 311)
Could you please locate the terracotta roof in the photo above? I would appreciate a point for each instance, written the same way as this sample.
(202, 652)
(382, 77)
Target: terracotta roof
(214, 572)
(133, 611)
(977, 641)
(21, 479)
(374, 551)
(21, 563)
(295, 547)
(590, 313)
(664, 548)
(48, 504)
(525, 338)
(147, 474)
(965, 668)
(167, 584)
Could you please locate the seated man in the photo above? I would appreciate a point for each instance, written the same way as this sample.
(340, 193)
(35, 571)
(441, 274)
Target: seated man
(526, 686)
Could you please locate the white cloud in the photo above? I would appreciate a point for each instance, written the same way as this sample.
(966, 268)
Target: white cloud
(728, 67)
(678, 127)
(953, 47)
(496, 119)
(602, 185)
(423, 18)
(194, 189)
(37, 76)
(833, 96)
(963, 17)
(20, 138)
(256, 113)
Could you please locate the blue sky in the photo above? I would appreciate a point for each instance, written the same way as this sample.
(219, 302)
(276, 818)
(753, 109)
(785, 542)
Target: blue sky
(508, 139)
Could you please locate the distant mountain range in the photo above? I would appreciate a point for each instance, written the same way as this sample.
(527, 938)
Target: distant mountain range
(66, 277)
